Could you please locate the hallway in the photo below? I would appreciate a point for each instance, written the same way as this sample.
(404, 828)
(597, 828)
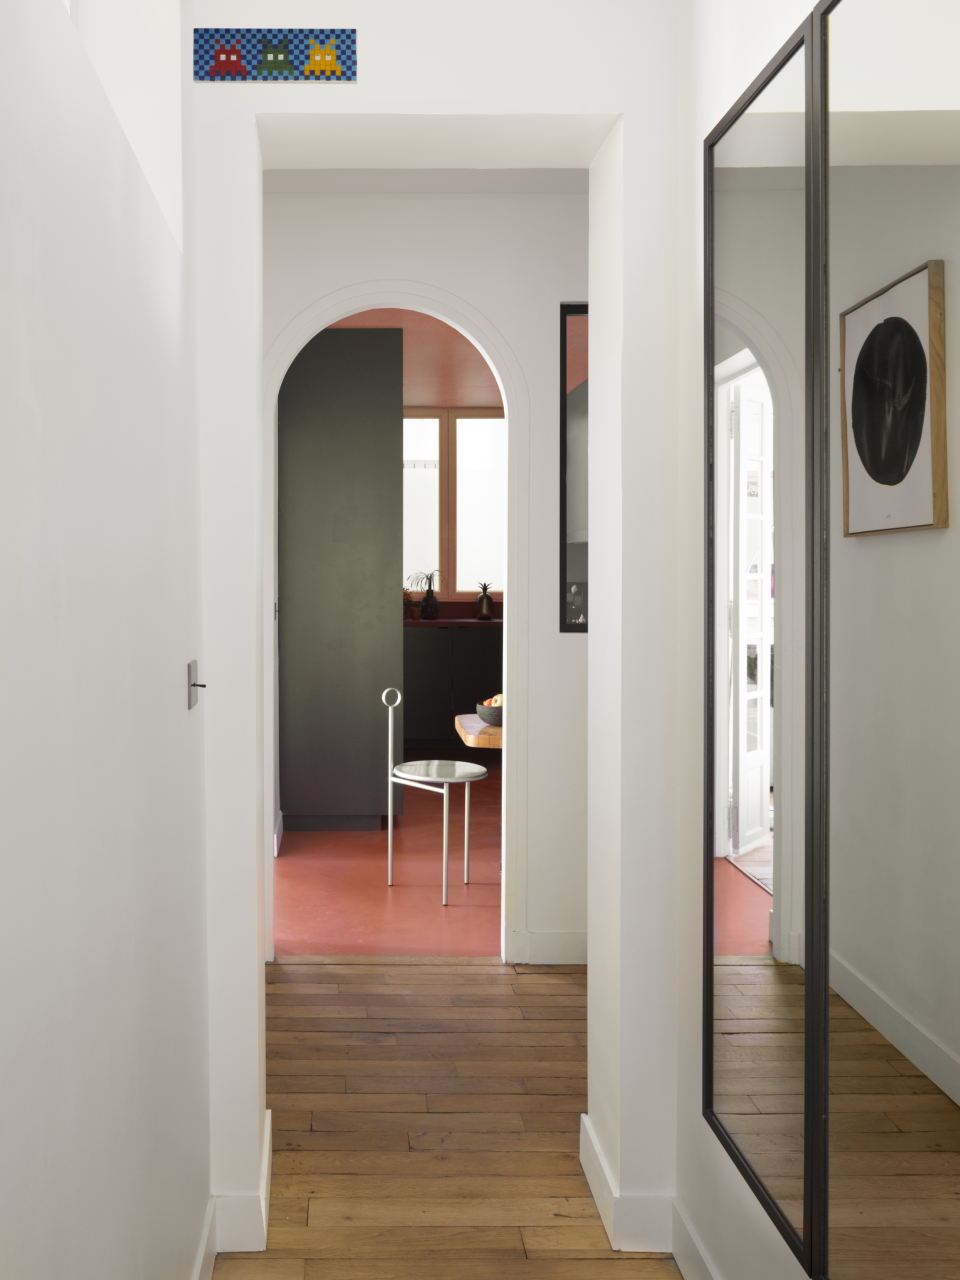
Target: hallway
(426, 1124)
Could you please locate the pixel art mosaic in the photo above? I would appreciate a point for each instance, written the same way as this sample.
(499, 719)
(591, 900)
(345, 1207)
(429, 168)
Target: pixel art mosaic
(321, 54)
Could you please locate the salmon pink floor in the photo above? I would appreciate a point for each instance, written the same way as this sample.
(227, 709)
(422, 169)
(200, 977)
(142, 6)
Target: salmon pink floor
(741, 912)
(331, 895)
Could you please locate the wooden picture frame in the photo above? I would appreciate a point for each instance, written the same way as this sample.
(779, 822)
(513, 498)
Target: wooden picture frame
(893, 407)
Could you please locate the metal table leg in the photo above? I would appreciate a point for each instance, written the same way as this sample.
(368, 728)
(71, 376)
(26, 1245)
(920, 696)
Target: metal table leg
(466, 834)
(446, 838)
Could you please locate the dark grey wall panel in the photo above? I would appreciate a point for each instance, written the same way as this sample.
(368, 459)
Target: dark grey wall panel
(340, 571)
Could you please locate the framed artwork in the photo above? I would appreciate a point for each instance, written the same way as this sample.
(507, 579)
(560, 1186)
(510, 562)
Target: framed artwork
(893, 409)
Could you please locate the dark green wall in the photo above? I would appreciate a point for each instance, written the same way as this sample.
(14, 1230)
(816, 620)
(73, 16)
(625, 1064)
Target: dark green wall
(340, 576)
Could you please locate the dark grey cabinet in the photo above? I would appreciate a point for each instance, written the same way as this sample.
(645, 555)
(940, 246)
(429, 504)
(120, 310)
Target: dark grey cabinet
(446, 672)
(340, 538)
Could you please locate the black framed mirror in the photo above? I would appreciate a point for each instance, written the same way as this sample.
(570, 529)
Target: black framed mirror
(865, 678)
(763, 987)
(574, 437)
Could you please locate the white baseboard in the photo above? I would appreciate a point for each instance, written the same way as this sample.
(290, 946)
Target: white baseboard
(241, 1221)
(207, 1248)
(643, 1224)
(688, 1251)
(923, 1049)
(546, 948)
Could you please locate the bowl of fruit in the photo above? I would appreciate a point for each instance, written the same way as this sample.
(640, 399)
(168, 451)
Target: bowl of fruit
(491, 711)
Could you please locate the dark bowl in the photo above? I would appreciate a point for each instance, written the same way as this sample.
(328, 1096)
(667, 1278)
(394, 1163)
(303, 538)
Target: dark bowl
(490, 715)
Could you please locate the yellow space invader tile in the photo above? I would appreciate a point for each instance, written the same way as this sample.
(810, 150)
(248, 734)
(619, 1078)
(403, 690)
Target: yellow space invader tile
(322, 62)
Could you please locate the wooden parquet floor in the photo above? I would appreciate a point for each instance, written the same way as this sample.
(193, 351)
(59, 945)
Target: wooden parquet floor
(426, 1118)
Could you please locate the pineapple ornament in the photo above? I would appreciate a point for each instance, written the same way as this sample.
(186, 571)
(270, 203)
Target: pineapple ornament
(484, 603)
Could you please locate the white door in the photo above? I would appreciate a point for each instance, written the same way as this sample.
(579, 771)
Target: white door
(753, 609)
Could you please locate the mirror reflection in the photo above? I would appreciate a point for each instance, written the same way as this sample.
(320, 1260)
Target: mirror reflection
(895, 619)
(759, 496)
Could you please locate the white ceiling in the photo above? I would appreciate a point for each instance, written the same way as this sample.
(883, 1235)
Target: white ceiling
(431, 142)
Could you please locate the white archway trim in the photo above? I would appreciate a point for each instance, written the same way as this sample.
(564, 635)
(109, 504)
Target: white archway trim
(786, 383)
(415, 295)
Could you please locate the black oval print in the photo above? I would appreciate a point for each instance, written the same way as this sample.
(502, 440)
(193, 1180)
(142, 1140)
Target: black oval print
(889, 399)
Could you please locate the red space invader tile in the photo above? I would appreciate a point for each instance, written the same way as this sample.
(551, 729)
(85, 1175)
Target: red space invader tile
(227, 61)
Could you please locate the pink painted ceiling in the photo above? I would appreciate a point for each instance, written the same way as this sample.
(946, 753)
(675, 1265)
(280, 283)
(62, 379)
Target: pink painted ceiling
(441, 368)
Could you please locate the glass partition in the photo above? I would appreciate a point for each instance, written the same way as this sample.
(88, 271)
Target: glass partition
(754, 836)
(894, 948)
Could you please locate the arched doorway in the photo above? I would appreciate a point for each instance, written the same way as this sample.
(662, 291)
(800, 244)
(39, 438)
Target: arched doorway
(331, 895)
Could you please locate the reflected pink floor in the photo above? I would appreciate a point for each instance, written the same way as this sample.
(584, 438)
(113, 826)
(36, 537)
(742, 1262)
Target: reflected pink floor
(331, 895)
(741, 912)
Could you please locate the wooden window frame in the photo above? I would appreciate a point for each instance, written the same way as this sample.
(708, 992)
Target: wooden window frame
(448, 492)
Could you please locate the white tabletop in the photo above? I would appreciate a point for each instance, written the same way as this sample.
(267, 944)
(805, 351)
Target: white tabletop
(440, 771)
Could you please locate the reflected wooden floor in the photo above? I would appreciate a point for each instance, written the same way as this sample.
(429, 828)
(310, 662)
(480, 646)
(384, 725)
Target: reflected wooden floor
(758, 1069)
(894, 1135)
(426, 1119)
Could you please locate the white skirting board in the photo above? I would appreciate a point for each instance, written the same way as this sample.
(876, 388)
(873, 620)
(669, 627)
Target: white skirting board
(207, 1249)
(637, 1223)
(546, 948)
(237, 1224)
(687, 1251)
(924, 1050)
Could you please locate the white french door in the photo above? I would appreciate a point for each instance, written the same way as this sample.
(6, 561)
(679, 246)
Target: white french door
(745, 592)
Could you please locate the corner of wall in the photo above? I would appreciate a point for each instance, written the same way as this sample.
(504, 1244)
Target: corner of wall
(207, 1248)
(241, 1221)
(635, 1223)
(687, 1250)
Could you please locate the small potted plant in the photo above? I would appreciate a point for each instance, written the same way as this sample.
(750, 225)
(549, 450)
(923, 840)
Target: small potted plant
(429, 604)
(484, 603)
(411, 607)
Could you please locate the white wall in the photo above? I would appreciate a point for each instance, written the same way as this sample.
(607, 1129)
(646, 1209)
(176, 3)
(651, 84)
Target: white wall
(135, 49)
(514, 258)
(103, 1056)
(895, 684)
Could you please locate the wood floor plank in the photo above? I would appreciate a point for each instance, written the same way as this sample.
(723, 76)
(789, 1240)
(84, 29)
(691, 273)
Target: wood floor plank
(449, 1213)
(551, 1120)
(351, 1186)
(350, 1140)
(284, 1119)
(619, 1268)
(575, 1240)
(423, 1084)
(353, 1102)
(260, 1268)
(352, 1066)
(412, 1051)
(523, 1035)
(459, 1122)
(317, 1083)
(396, 1242)
(429, 1164)
(500, 1101)
(547, 1141)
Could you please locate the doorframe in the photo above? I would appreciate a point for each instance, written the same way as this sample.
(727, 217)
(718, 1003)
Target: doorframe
(460, 315)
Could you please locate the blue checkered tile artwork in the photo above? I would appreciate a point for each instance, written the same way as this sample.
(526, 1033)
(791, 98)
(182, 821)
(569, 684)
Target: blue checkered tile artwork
(322, 54)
